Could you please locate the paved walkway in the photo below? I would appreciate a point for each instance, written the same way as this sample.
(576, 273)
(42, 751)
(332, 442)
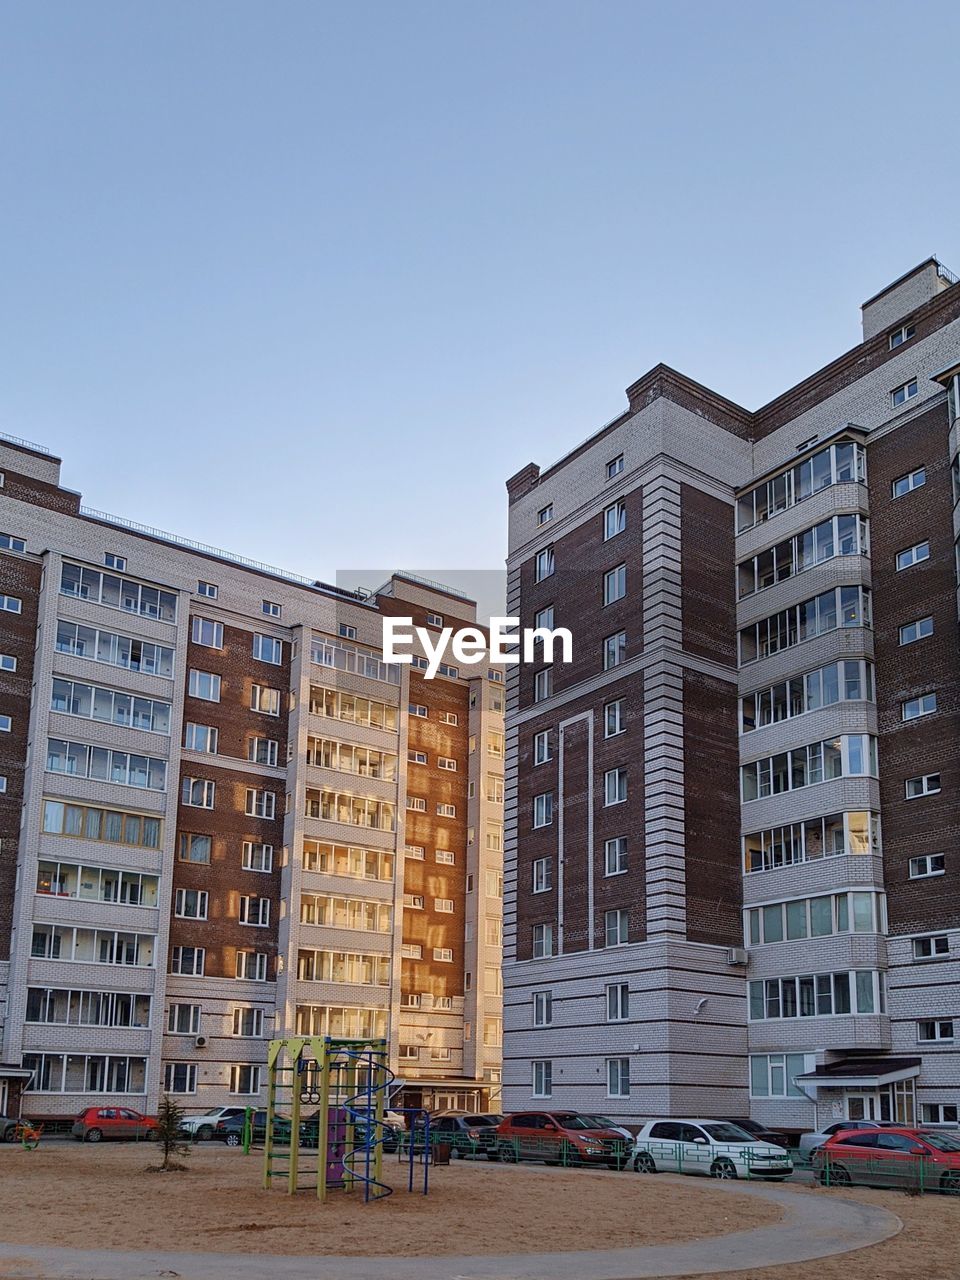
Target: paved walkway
(811, 1227)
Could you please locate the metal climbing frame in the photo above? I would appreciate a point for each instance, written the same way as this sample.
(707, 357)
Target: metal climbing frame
(340, 1145)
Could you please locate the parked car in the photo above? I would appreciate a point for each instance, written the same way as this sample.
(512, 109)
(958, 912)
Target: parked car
(890, 1157)
(714, 1147)
(809, 1142)
(759, 1131)
(605, 1122)
(390, 1132)
(560, 1137)
(230, 1128)
(8, 1129)
(96, 1123)
(201, 1127)
(468, 1134)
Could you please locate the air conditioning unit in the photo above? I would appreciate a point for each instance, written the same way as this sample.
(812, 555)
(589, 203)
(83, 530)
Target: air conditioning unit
(200, 1041)
(736, 955)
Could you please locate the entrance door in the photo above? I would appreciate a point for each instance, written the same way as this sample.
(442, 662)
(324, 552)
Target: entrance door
(863, 1106)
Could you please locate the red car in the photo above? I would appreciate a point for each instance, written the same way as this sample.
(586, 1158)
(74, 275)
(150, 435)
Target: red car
(96, 1123)
(891, 1157)
(560, 1137)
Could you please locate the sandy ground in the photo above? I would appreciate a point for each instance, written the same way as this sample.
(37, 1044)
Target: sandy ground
(104, 1197)
(928, 1248)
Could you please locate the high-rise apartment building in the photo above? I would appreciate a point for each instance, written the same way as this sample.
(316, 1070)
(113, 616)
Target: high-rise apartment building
(732, 865)
(224, 818)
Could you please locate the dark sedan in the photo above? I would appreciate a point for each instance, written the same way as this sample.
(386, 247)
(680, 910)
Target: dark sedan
(469, 1134)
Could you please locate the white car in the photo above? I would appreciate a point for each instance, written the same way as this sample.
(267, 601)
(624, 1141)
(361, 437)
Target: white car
(711, 1147)
(201, 1127)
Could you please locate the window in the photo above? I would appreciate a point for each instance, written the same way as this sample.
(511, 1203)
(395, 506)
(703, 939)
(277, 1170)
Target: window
(7, 662)
(411, 951)
(191, 904)
(252, 966)
(346, 632)
(543, 684)
(416, 804)
(254, 911)
(618, 1002)
(544, 564)
(618, 1077)
(205, 685)
(774, 1075)
(187, 961)
(194, 848)
(446, 857)
(928, 864)
(817, 995)
(180, 1077)
(929, 1030)
(932, 947)
(818, 917)
(542, 941)
(615, 466)
(198, 793)
(450, 717)
(542, 1078)
(184, 1019)
(614, 786)
(105, 765)
(613, 719)
(542, 1008)
(263, 751)
(419, 663)
(446, 810)
(545, 514)
(543, 809)
(902, 335)
(417, 757)
(112, 707)
(615, 584)
(446, 762)
(543, 619)
(839, 607)
(200, 737)
(418, 709)
(434, 620)
(206, 632)
(852, 755)
(838, 682)
(267, 649)
(6, 724)
(244, 1079)
(906, 391)
(913, 555)
(413, 901)
(270, 608)
(845, 535)
(9, 543)
(926, 784)
(81, 641)
(616, 928)
(444, 955)
(446, 670)
(939, 1113)
(107, 825)
(542, 875)
(260, 804)
(912, 480)
(115, 562)
(117, 593)
(248, 1023)
(443, 905)
(541, 747)
(3, 784)
(838, 463)
(208, 589)
(918, 630)
(913, 708)
(615, 856)
(257, 856)
(10, 604)
(614, 520)
(614, 650)
(265, 700)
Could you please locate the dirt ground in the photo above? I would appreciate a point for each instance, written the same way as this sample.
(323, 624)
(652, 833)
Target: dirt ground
(104, 1197)
(927, 1247)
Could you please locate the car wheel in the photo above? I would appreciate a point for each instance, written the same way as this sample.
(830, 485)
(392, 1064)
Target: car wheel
(205, 1133)
(151, 1135)
(644, 1163)
(10, 1134)
(950, 1183)
(232, 1140)
(724, 1169)
(835, 1175)
(493, 1155)
(94, 1135)
(508, 1154)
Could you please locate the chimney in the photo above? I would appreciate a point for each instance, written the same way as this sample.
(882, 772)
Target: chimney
(521, 483)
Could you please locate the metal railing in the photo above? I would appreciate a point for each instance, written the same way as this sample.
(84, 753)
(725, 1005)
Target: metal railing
(913, 1174)
(27, 444)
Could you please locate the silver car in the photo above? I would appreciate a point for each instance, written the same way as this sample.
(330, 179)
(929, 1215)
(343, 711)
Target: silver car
(810, 1142)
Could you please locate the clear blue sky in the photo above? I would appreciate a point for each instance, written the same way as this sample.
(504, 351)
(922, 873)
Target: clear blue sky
(309, 281)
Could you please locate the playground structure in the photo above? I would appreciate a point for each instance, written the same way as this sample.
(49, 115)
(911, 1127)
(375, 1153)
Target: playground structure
(338, 1146)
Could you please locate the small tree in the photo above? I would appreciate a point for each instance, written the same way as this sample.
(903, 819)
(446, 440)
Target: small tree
(170, 1133)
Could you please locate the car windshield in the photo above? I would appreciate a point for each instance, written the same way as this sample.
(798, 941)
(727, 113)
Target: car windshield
(572, 1120)
(482, 1119)
(727, 1133)
(942, 1141)
(600, 1122)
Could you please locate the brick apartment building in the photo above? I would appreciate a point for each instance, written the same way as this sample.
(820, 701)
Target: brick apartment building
(224, 818)
(733, 822)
